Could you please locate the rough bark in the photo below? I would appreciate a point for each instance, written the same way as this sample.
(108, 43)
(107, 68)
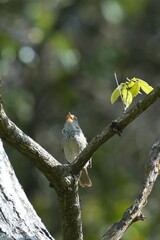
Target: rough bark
(134, 212)
(72, 222)
(59, 175)
(64, 178)
(18, 220)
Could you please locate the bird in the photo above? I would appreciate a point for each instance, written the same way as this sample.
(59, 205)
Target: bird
(73, 142)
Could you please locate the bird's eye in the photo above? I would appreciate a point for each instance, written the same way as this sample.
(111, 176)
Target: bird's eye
(75, 118)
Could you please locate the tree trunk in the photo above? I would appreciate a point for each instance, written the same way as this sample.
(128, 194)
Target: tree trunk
(71, 214)
(18, 219)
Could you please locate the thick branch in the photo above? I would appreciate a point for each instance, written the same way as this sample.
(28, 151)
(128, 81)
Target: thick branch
(58, 175)
(27, 146)
(115, 127)
(44, 161)
(133, 213)
(71, 214)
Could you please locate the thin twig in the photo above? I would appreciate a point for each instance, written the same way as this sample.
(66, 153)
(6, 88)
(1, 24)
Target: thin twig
(133, 213)
(118, 85)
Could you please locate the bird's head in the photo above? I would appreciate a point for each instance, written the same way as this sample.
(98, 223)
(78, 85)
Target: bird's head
(71, 118)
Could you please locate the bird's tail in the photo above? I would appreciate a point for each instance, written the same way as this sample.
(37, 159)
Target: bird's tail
(85, 180)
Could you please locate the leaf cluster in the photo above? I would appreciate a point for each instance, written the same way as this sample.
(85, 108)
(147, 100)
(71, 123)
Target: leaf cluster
(130, 89)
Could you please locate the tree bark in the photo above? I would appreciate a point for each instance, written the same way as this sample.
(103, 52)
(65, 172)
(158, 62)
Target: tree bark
(71, 214)
(18, 220)
(63, 178)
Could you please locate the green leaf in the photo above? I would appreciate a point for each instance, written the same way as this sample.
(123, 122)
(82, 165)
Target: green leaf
(130, 83)
(115, 94)
(134, 79)
(129, 90)
(126, 96)
(135, 89)
(145, 87)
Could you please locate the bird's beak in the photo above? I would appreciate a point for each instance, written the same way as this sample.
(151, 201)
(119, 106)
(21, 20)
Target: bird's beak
(69, 117)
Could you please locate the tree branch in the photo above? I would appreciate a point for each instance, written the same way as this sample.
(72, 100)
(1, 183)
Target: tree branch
(59, 175)
(45, 161)
(115, 127)
(133, 213)
(27, 146)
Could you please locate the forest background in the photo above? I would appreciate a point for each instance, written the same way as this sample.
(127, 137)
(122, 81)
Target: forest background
(60, 56)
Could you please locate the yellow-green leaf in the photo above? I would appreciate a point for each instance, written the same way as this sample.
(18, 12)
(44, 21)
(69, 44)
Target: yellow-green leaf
(134, 79)
(115, 94)
(145, 87)
(129, 90)
(127, 97)
(135, 89)
(130, 84)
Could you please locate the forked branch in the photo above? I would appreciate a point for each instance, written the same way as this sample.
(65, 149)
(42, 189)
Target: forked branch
(43, 160)
(60, 176)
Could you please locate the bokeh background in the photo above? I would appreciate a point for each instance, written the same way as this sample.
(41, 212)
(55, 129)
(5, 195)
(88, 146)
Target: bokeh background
(60, 56)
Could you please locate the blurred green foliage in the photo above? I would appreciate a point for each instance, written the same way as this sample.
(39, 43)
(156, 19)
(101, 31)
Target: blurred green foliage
(60, 56)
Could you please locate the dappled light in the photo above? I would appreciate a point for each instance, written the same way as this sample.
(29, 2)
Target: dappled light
(60, 56)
